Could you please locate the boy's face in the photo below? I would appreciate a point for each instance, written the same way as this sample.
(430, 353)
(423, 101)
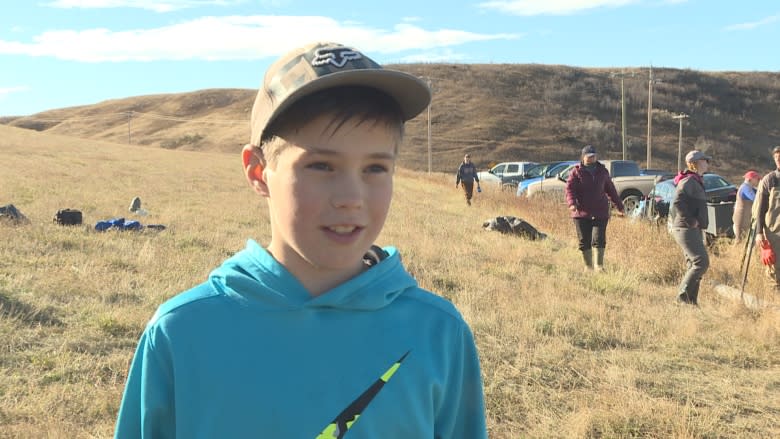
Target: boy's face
(328, 194)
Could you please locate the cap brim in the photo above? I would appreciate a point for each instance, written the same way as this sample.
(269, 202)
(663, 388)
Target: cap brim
(411, 93)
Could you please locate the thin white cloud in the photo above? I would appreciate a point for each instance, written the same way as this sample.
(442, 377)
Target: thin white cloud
(233, 38)
(446, 55)
(753, 24)
(550, 7)
(5, 91)
(152, 5)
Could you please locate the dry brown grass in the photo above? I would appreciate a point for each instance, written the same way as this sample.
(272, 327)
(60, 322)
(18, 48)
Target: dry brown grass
(564, 353)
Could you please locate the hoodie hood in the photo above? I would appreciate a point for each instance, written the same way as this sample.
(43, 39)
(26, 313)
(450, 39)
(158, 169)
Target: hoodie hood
(688, 173)
(253, 275)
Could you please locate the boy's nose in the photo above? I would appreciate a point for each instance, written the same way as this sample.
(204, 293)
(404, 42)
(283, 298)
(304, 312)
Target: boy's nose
(347, 193)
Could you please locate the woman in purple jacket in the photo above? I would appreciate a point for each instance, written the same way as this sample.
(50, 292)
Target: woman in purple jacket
(589, 190)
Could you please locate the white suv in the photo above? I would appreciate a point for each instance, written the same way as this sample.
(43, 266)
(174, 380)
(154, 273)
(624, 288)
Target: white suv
(506, 173)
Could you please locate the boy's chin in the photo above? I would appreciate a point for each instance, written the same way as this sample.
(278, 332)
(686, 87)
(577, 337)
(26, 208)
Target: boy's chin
(334, 263)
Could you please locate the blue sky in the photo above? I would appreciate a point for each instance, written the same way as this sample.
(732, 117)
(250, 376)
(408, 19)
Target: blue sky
(62, 53)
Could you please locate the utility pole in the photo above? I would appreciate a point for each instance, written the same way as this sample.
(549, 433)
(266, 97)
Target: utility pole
(430, 153)
(650, 119)
(622, 75)
(680, 116)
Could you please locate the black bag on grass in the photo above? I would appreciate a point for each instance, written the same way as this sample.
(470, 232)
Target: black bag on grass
(68, 217)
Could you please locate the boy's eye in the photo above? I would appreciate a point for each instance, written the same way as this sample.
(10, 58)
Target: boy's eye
(375, 169)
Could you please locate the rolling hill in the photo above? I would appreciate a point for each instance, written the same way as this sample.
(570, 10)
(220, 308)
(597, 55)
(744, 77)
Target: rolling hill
(496, 112)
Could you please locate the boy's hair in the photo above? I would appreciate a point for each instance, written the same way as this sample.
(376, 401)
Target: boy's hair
(340, 104)
(328, 66)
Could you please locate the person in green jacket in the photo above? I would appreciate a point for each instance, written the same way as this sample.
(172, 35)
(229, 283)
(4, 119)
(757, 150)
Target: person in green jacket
(689, 218)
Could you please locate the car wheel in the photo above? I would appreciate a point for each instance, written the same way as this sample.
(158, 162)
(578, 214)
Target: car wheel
(630, 203)
(509, 187)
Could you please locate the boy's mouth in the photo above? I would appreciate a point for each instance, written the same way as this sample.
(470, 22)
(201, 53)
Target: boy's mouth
(342, 230)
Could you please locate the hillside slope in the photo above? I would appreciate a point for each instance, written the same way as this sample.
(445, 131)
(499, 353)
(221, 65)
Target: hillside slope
(498, 112)
(564, 354)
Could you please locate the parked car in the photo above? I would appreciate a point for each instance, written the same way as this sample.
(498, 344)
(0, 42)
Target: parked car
(662, 174)
(631, 187)
(505, 174)
(721, 196)
(717, 188)
(540, 172)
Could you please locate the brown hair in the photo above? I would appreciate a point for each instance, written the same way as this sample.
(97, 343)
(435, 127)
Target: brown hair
(341, 104)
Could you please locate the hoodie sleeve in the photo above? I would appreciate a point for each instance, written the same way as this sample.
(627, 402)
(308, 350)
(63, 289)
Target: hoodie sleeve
(761, 205)
(571, 189)
(613, 195)
(147, 409)
(462, 414)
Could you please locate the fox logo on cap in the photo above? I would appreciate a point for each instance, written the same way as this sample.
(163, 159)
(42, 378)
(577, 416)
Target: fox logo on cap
(338, 56)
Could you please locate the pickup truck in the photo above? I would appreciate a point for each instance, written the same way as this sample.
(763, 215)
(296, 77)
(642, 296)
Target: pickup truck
(505, 174)
(630, 185)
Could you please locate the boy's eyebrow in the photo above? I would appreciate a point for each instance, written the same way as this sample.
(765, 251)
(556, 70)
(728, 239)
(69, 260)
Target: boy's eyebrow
(375, 155)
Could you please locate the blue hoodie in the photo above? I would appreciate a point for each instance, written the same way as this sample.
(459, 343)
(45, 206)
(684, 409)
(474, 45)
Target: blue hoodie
(250, 354)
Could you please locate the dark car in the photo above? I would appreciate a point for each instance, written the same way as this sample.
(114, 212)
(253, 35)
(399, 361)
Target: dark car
(534, 170)
(662, 174)
(716, 187)
(540, 172)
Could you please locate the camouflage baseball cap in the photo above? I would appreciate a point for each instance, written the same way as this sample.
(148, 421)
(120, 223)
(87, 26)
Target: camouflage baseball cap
(320, 66)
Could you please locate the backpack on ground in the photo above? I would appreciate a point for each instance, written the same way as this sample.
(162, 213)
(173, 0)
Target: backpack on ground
(68, 217)
(514, 226)
(11, 214)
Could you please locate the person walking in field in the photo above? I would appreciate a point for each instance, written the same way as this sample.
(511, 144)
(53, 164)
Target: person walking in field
(743, 206)
(466, 176)
(689, 218)
(767, 216)
(319, 333)
(589, 190)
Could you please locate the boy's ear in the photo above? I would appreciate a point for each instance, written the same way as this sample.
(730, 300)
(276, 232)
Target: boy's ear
(254, 169)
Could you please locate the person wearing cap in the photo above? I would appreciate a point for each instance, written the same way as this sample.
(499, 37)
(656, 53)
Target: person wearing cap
(466, 176)
(689, 218)
(744, 205)
(766, 212)
(589, 189)
(317, 333)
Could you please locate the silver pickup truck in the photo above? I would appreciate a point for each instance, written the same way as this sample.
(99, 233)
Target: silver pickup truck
(630, 185)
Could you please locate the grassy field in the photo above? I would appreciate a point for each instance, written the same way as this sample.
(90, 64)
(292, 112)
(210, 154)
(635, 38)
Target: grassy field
(564, 353)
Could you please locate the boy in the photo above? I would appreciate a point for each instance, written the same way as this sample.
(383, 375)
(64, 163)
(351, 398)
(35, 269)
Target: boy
(319, 334)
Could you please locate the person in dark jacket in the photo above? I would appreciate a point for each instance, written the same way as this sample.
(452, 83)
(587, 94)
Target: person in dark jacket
(589, 189)
(689, 217)
(467, 175)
